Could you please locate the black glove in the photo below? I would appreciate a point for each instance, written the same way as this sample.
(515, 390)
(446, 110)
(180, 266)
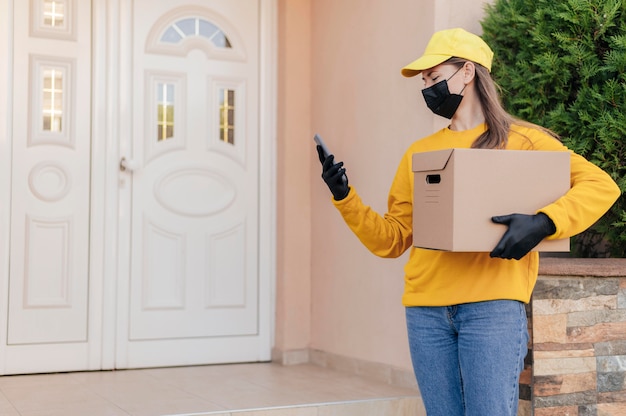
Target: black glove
(524, 233)
(334, 174)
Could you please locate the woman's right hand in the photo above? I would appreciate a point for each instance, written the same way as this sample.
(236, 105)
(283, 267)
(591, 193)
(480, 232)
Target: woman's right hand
(334, 174)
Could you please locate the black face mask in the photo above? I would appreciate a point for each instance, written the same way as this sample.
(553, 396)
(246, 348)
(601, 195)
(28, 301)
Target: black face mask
(439, 99)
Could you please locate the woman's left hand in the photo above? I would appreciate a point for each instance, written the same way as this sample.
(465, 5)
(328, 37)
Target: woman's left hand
(524, 233)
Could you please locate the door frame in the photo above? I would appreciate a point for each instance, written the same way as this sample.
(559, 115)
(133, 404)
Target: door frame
(6, 127)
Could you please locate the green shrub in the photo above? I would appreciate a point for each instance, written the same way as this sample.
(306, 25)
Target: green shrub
(561, 64)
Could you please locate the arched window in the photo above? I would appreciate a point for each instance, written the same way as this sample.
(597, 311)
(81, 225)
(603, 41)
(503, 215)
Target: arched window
(188, 28)
(195, 27)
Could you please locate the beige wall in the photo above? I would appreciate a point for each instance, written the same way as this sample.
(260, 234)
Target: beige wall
(339, 75)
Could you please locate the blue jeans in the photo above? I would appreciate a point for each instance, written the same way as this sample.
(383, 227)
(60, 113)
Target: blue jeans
(468, 358)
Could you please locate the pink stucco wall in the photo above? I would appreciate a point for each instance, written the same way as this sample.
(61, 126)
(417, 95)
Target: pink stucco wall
(339, 75)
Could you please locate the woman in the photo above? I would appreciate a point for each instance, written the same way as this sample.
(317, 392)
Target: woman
(465, 312)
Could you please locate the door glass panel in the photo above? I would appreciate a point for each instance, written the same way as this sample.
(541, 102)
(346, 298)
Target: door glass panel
(53, 13)
(165, 111)
(172, 35)
(188, 27)
(227, 115)
(208, 29)
(52, 102)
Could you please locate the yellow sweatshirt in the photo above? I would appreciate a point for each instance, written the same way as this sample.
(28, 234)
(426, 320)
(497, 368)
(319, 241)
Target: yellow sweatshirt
(440, 278)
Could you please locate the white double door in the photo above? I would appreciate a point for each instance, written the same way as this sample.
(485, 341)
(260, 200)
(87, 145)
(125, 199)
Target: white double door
(135, 230)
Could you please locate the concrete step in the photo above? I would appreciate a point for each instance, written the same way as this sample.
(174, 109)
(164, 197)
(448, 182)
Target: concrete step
(398, 406)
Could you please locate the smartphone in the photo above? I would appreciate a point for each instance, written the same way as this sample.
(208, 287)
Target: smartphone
(318, 139)
(320, 142)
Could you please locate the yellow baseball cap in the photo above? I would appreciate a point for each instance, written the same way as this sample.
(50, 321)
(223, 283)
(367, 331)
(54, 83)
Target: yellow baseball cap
(445, 44)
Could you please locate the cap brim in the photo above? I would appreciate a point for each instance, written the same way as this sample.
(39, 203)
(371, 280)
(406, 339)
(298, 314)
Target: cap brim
(423, 63)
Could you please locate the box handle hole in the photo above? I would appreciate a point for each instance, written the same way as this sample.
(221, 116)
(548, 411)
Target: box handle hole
(433, 179)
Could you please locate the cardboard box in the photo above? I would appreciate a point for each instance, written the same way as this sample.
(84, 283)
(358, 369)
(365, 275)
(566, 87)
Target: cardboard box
(457, 191)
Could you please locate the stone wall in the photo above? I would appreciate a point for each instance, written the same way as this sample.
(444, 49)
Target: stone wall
(577, 360)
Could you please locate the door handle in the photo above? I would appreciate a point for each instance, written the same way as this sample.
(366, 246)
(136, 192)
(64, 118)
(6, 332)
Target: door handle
(129, 165)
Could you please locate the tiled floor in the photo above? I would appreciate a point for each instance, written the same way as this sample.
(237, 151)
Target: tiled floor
(224, 390)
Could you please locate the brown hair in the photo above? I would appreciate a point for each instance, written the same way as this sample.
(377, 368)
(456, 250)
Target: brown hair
(498, 120)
